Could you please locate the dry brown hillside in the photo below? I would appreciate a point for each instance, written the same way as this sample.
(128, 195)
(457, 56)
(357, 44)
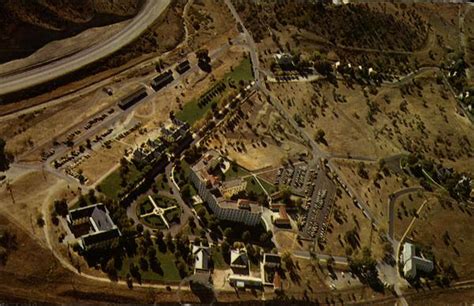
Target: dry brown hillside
(378, 26)
(28, 25)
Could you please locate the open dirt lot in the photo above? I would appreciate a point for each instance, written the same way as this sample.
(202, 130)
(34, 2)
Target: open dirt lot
(405, 208)
(375, 194)
(209, 24)
(256, 137)
(30, 190)
(345, 216)
(415, 116)
(442, 216)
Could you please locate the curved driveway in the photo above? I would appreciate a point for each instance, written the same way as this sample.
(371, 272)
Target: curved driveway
(147, 15)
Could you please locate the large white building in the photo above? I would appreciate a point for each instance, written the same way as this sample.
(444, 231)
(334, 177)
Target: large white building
(412, 262)
(208, 187)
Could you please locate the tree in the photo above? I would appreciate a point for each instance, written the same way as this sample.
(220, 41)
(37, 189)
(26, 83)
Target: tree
(225, 248)
(246, 236)
(143, 264)
(320, 136)
(111, 270)
(40, 221)
(4, 162)
(60, 207)
(201, 213)
(191, 222)
(82, 201)
(361, 170)
(228, 232)
(287, 260)
(92, 197)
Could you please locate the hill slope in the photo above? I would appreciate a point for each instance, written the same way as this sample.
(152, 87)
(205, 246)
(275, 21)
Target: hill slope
(29, 25)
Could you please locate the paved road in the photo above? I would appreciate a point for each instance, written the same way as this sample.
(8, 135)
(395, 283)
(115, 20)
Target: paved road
(148, 14)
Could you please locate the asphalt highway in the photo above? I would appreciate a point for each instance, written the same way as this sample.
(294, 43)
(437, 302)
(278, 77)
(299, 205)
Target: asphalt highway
(25, 79)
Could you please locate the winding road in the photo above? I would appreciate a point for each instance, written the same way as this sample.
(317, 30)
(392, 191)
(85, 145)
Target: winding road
(151, 10)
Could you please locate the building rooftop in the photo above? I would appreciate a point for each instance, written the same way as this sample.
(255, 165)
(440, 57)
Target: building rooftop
(95, 223)
(239, 258)
(233, 183)
(271, 259)
(202, 256)
(97, 237)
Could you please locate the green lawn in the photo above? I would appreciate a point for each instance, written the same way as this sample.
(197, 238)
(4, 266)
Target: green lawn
(159, 181)
(145, 207)
(163, 201)
(253, 185)
(111, 185)
(235, 172)
(243, 72)
(269, 187)
(170, 272)
(154, 221)
(191, 112)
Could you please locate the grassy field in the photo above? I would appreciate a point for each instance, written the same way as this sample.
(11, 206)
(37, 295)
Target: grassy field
(154, 221)
(235, 172)
(111, 185)
(192, 112)
(170, 272)
(253, 185)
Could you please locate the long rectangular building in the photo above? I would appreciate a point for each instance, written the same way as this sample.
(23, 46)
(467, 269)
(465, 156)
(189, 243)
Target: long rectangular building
(132, 98)
(162, 80)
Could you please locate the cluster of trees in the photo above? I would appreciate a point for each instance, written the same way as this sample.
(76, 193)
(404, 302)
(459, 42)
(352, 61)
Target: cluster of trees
(365, 267)
(213, 92)
(457, 184)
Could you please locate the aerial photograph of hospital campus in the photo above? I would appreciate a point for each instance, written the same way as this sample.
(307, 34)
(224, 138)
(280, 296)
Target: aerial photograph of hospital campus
(237, 152)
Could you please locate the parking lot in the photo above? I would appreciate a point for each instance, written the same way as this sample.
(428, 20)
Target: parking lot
(295, 176)
(320, 192)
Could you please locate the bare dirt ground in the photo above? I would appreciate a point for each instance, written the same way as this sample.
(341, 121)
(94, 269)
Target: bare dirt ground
(445, 216)
(374, 194)
(210, 24)
(36, 130)
(30, 190)
(256, 138)
(405, 209)
(345, 216)
(420, 118)
(346, 134)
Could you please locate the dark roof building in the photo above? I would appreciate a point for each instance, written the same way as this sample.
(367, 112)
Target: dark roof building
(183, 67)
(93, 226)
(162, 80)
(133, 98)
